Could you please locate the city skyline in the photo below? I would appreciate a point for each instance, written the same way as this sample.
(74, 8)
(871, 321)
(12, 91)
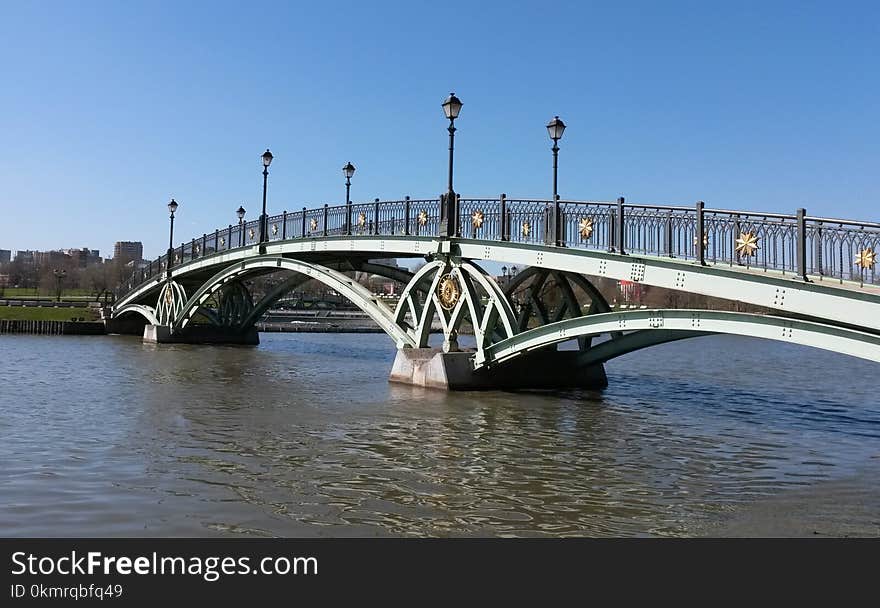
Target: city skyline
(768, 108)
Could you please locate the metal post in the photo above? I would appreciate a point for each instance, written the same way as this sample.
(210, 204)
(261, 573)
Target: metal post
(620, 227)
(611, 231)
(701, 233)
(304, 223)
(448, 202)
(263, 234)
(406, 215)
(819, 269)
(217, 240)
(241, 232)
(376, 216)
(348, 205)
(669, 251)
(229, 237)
(505, 224)
(555, 232)
(170, 259)
(284, 225)
(802, 244)
(325, 219)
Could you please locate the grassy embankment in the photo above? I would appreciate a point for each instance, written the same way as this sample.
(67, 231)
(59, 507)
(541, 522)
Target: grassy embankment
(45, 313)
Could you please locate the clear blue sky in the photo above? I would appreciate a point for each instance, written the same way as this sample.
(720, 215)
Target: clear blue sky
(109, 109)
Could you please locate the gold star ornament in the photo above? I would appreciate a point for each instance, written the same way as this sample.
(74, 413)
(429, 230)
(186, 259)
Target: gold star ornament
(747, 244)
(866, 258)
(526, 229)
(362, 219)
(477, 218)
(313, 224)
(585, 227)
(423, 218)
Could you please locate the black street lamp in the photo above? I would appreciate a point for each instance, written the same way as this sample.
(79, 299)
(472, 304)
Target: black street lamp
(240, 213)
(555, 129)
(59, 279)
(348, 172)
(267, 160)
(172, 207)
(448, 208)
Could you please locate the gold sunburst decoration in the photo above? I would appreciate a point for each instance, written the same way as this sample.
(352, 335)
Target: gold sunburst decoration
(585, 227)
(313, 224)
(747, 244)
(176, 257)
(705, 241)
(448, 291)
(866, 258)
(169, 296)
(477, 218)
(274, 229)
(526, 228)
(362, 219)
(251, 233)
(423, 218)
(223, 241)
(198, 249)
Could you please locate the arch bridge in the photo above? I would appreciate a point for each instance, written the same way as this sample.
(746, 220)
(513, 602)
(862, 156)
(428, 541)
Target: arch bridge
(816, 275)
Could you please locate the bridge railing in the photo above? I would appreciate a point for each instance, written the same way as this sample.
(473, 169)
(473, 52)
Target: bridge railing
(798, 244)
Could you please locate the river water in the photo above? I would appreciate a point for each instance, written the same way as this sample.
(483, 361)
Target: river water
(304, 436)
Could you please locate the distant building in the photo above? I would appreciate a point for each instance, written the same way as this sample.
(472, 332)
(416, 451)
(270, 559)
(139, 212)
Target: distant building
(83, 258)
(128, 251)
(5, 256)
(25, 257)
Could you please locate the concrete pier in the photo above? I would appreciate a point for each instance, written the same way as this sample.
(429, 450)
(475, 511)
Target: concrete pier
(200, 334)
(432, 368)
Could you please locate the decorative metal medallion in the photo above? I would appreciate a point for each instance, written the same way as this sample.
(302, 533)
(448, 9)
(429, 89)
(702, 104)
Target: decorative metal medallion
(747, 244)
(313, 224)
(176, 257)
(585, 227)
(423, 218)
(198, 249)
(448, 291)
(362, 219)
(169, 296)
(251, 233)
(223, 241)
(477, 218)
(274, 229)
(705, 241)
(866, 258)
(526, 229)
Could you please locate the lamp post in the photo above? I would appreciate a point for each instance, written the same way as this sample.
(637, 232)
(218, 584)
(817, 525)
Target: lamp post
(267, 160)
(449, 208)
(240, 213)
(172, 207)
(555, 128)
(348, 172)
(59, 279)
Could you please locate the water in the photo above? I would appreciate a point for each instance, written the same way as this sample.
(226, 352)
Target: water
(304, 436)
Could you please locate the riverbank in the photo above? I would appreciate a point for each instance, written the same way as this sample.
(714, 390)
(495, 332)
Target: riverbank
(47, 313)
(52, 328)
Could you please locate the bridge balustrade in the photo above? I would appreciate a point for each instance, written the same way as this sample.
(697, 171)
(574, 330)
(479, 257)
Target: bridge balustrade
(798, 244)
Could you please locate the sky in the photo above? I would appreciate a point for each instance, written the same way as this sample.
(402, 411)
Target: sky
(109, 109)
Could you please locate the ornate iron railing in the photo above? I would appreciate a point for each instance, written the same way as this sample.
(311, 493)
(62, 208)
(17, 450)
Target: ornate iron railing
(801, 245)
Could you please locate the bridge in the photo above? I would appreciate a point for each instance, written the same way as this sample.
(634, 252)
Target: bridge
(816, 275)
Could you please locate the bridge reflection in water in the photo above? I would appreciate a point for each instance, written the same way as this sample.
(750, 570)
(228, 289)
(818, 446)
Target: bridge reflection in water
(817, 274)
